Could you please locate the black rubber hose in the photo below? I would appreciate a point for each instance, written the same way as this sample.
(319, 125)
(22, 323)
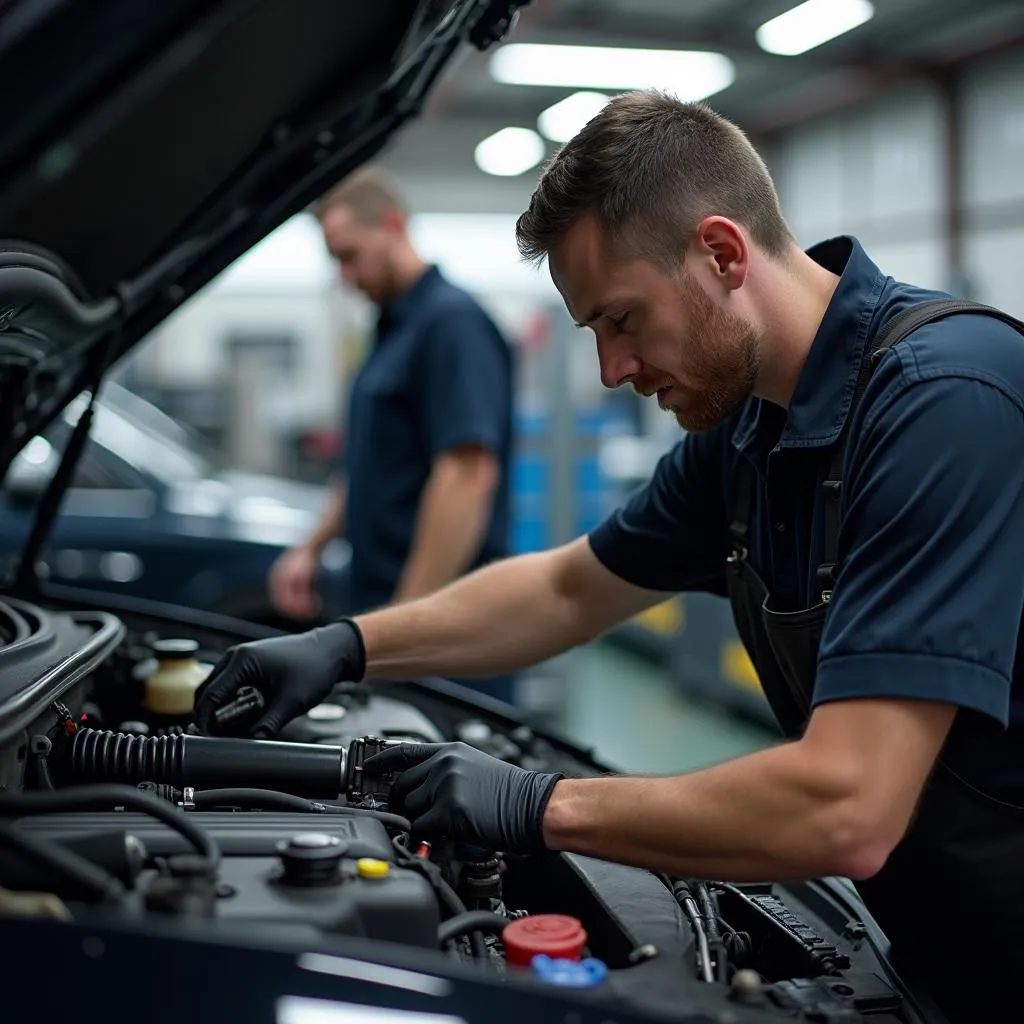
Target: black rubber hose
(311, 770)
(471, 921)
(83, 873)
(84, 798)
(265, 799)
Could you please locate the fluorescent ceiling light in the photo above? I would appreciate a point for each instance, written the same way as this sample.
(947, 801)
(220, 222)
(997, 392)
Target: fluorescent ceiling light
(510, 151)
(563, 120)
(688, 74)
(810, 24)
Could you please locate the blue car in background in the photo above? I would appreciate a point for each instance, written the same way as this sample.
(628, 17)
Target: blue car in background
(149, 515)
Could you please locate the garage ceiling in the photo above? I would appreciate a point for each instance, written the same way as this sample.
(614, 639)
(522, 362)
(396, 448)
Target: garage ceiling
(903, 41)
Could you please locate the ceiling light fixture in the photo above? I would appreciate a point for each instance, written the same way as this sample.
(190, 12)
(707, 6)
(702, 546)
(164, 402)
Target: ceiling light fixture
(688, 74)
(510, 151)
(810, 24)
(565, 118)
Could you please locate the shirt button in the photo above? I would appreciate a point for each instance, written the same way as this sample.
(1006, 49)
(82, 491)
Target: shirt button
(780, 527)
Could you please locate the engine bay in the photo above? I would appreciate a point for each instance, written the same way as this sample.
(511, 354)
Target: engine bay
(114, 808)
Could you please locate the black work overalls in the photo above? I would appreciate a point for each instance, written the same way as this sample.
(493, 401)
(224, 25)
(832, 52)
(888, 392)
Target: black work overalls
(950, 898)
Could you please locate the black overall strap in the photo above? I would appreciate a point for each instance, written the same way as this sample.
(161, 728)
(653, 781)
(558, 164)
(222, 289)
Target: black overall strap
(893, 331)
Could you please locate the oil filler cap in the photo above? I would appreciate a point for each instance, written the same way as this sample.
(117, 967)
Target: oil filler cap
(311, 858)
(557, 936)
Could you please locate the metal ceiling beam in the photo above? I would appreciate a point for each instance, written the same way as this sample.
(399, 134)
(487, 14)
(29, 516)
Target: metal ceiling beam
(812, 103)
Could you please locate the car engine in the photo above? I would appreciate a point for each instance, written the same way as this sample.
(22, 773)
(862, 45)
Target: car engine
(112, 809)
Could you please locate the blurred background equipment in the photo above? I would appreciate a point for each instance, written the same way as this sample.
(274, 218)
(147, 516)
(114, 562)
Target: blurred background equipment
(898, 121)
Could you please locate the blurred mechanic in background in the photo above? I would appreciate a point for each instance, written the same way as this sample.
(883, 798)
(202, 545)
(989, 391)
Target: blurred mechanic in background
(422, 491)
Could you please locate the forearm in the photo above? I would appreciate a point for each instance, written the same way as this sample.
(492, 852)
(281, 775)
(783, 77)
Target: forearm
(332, 519)
(451, 522)
(502, 617)
(774, 814)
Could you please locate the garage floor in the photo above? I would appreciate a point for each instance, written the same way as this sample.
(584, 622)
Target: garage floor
(629, 710)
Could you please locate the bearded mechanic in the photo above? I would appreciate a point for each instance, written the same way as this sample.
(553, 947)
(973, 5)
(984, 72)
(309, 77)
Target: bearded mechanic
(870, 540)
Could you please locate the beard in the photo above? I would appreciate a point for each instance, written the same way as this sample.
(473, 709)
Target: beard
(722, 360)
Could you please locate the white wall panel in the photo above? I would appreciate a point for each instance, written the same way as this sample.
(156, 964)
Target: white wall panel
(894, 167)
(867, 168)
(919, 262)
(995, 265)
(993, 132)
(809, 175)
(190, 349)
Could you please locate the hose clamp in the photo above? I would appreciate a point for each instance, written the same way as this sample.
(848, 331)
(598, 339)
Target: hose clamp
(188, 798)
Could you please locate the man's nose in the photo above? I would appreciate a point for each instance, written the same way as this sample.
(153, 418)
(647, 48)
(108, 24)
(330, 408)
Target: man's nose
(619, 365)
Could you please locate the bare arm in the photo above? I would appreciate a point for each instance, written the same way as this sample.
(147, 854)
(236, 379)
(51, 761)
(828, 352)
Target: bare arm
(332, 519)
(503, 617)
(834, 803)
(453, 515)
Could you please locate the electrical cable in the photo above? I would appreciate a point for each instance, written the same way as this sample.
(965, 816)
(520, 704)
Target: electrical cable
(471, 921)
(43, 768)
(684, 896)
(738, 945)
(64, 862)
(83, 798)
(715, 944)
(446, 895)
(386, 818)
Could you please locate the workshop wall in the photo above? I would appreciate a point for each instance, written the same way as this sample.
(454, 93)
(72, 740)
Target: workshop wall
(879, 171)
(992, 122)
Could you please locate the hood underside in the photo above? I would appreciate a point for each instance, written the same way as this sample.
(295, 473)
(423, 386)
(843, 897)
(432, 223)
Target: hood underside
(149, 145)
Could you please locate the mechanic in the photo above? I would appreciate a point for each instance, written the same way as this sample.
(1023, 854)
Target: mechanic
(882, 612)
(422, 491)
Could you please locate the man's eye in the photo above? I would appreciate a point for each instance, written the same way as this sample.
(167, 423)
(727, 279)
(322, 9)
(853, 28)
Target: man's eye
(619, 323)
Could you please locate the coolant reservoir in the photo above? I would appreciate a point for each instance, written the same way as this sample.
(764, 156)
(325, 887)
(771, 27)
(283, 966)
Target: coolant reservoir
(171, 687)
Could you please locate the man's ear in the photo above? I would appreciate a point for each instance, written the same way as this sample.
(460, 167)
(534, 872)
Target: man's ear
(722, 244)
(393, 220)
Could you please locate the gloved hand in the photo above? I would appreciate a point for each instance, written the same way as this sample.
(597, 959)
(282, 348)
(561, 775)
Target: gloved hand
(293, 673)
(457, 791)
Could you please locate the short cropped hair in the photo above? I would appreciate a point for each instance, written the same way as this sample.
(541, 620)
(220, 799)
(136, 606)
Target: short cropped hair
(650, 168)
(369, 193)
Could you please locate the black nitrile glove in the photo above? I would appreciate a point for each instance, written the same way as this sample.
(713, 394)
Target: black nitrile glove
(293, 673)
(459, 792)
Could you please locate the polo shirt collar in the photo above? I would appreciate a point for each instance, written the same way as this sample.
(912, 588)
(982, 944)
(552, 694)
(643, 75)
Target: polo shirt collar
(406, 304)
(824, 390)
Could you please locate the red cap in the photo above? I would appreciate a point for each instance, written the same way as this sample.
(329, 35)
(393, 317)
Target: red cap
(555, 935)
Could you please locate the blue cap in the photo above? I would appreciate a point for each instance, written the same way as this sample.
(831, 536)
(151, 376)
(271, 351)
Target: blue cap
(587, 973)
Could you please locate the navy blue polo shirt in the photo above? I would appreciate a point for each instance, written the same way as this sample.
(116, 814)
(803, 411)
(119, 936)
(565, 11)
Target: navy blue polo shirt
(929, 597)
(439, 375)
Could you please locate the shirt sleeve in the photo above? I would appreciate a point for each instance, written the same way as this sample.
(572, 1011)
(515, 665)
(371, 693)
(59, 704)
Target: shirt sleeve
(670, 534)
(467, 387)
(928, 600)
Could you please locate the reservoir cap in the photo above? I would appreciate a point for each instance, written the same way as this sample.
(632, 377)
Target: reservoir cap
(555, 935)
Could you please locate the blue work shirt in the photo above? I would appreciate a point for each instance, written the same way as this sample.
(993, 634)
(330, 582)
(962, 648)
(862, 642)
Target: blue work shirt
(929, 597)
(439, 376)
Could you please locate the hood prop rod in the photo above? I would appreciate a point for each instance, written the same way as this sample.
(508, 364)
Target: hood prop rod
(26, 575)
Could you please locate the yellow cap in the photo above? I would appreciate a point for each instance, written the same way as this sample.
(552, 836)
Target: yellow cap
(370, 868)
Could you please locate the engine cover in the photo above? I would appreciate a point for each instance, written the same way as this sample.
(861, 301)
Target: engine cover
(332, 873)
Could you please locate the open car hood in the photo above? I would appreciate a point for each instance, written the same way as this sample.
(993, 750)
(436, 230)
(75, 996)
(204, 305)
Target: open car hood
(148, 145)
